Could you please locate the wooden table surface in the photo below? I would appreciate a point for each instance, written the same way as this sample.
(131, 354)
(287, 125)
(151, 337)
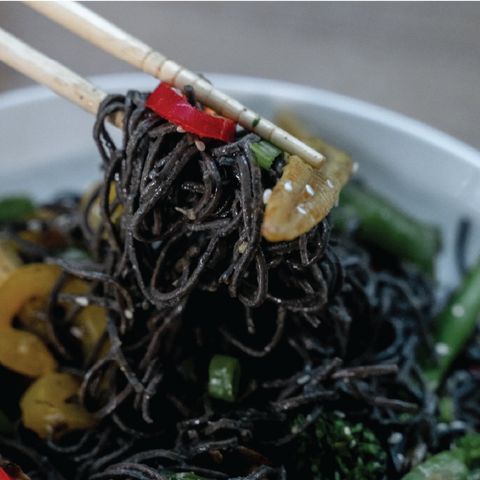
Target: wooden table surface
(419, 59)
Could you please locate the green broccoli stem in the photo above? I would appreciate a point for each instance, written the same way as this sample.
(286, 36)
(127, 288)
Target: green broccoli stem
(385, 226)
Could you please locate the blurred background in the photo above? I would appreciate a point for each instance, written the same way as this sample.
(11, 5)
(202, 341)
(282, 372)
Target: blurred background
(421, 59)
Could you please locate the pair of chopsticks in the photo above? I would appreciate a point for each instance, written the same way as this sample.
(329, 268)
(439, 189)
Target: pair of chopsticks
(117, 42)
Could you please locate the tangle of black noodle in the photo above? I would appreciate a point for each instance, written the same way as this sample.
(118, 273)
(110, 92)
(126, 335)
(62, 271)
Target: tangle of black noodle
(184, 273)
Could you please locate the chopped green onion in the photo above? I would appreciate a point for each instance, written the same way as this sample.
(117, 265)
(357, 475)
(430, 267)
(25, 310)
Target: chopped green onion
(266, 153)
(75, 254)
(447, 412)
(15, 209)
(255, 122)
(224, 376)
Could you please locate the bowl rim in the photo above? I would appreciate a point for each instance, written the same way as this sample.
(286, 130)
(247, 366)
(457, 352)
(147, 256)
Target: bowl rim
(278, 89)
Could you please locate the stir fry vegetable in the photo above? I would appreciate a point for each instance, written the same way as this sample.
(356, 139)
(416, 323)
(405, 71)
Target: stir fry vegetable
(14, 209)
(385, 226)
(169, 104)
(202, 329)
(304, 195)
(49, 406)
(456, 323)
(224, 376)
(451, 465)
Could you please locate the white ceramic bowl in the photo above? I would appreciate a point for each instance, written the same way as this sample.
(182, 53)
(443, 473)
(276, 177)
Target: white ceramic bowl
(46, 147)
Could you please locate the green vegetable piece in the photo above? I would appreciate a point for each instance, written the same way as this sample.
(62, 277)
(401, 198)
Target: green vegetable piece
(224, 376)
(456, 322)
(443, 466)
(470, 444)
(6, 425)
(266, 153)
(354, 447)
(386, 226)
(184, 476)
(447, 413)
(256, 122)
(15, 209)
(75, 254)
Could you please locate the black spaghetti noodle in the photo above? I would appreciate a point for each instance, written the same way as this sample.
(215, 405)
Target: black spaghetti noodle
(183, 273)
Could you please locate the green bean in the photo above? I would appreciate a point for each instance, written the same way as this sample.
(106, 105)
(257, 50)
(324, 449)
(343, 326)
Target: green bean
(15, 208)
(385, 226)
(455, 324)
(224, 376)
(450, 465)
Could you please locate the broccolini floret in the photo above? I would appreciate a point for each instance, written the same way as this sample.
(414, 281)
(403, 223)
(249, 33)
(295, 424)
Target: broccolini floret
(335, 448)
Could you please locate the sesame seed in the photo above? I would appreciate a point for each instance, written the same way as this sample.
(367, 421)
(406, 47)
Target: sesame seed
(458, 310)
(329, 183)
(347, 431)
(301, 209)
(395, 438)
(128, 314)
(180, 130)
(267, 193)
(288, 186)
(303, 379)
(82, 301)
(77, 332)
(309, 190)
(200, 145)
(242, 247)
(34, 225)
(458, 425)
(442, 349)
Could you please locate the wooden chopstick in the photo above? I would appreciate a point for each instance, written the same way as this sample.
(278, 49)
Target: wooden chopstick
(119, 43)
(63, 81)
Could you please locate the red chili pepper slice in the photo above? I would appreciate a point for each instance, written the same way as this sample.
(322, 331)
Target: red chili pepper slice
(4, 475)
(165, 101)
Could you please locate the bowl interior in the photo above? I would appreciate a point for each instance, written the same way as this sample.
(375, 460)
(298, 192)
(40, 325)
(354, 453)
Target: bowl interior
(47, 148)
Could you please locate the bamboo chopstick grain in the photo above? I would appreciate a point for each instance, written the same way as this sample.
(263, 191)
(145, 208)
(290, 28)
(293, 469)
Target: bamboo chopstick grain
(104, 34)
(63, 81)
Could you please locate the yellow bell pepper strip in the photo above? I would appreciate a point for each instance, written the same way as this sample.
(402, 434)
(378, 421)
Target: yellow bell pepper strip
(9, 261)
(23, 351)
(304, 195)
(224, 376)
(175, 108)
(47, 408)
(88, 327)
